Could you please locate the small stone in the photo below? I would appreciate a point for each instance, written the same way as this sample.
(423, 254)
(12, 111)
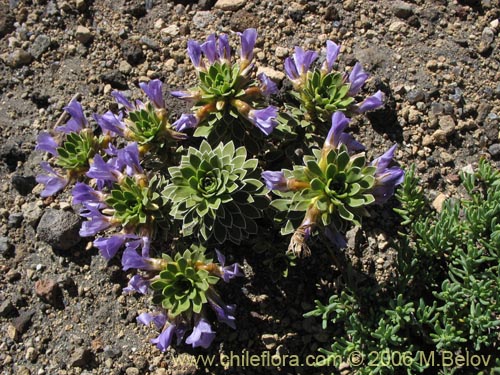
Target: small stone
(413, 116)
(6, 248)
(49, 291)
(83, 34)
(447, 125)
(446, 157)
(6, 19)
(23, 184)
(132, 371)
(32, 213)
(439, 201)
(281, 52)
(172, 30)
(402, 10)
(170, 65)
(132, 53)
(440, 136)
(23, 321)
(15, 220)
(427, 140)
(269, 340)
(150, 43)
(494, 150)
(116, 79)
(40, 45)
(23, 370)
(415, 96)
(12, 332)
(349, 4)
(397, 26)
(276, 75)
(125, 67)
(7, 309)
(31, 354)
(59, 229)
(229, 5)
(81, 5)
(19, 58)
(80, 357)
(432, 65)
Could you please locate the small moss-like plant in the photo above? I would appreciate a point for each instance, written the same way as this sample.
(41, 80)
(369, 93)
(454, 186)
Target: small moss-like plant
(444, 302)
(216, 193)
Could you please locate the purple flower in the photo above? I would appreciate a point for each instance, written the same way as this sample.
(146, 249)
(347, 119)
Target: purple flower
(224, 313)
(53, 181)
(153, 90)
(46, 143)
(202, 335)
(101, 170)
(248, 38)
(337, 137)
(194, 53)
(129, 157)
(131, 259)
(98, 222)
(109, 246)
(158, 320)
(373, 102)
(186, 121)
(275, 180)
(386, 179)
(264, 119)
(77, 121)
(121, 99)
(143, 242)
(357, 79)
(332, 52)
(110, 123)
(300, 64)
(228, 272)
(84, 193)
(209, 49)
(140, 285)
(223, 48)
(268, 86)
(165, 339)
(186, 95)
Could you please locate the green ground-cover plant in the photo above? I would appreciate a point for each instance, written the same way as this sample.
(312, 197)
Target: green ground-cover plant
(444, 301)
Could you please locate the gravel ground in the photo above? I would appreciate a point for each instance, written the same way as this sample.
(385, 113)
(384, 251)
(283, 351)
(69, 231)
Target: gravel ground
(61, 306)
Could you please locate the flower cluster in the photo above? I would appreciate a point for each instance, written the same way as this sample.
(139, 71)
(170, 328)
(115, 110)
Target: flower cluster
(333, 187)
(146, 188)
(230, 101)
(323, 91)
(183, 287)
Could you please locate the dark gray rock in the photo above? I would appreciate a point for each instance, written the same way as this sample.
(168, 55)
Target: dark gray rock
(6, 248)
(7, 309)
(415, 96)
(23, 321)
(81, 357)
(150, 43)
(494, 150)
(6, 20)
(403, 10)
(59, 229)
(40, 45)
(23, 184)
(132, 52)
(116, 79)
(15, 220)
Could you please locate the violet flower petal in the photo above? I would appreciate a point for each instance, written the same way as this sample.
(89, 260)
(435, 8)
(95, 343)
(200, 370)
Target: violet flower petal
(373, 102)
(153, 90)
(202, 335)
(77, 121)
(264, 119)
(46, 143)
(53, 181)
(268, 86)
(275, 180)
(164, 340)
(186, 121)
(137, 284)
(248, 39)
(109, 246)
(110, 123)
(357, 79)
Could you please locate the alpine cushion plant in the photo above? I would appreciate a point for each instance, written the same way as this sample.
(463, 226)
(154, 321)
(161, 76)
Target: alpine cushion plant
(331, 189)
(183, 288)
(230, 101)
(322, 91)
(72, 148)
(216, 193)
